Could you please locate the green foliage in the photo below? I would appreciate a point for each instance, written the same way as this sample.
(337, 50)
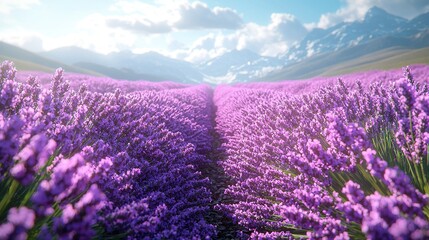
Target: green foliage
(388, 150)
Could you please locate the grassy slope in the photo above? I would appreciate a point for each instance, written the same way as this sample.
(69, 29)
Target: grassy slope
(26, 65)
(385, 59)
(381, 53)
(26, 60)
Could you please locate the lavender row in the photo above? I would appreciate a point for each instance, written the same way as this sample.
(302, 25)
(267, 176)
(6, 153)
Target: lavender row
(79, 164)
(344, 161)
(100, 84)
(420, 72)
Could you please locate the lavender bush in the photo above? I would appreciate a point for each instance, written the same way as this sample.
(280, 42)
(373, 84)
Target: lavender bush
(345, 161)
(81, 163)
(90, 157)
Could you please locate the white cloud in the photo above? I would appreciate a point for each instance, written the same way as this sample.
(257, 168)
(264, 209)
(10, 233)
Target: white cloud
(356, 9)
(202, 49)
(198, 16)
(93, 33)
(144, 18)
(273, 39)
(197, 55)
(173, 44)
(206, 42)
(7, 6)
(167, 16)
(139, 25)
(268, 40)
(287, 26)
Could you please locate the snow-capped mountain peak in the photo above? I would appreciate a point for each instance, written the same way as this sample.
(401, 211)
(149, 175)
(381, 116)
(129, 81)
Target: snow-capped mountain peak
(377, 17)
(376, 23)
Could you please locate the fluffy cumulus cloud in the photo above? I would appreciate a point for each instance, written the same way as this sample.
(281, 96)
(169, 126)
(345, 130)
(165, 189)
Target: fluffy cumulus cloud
(356, 9)
(287, 26)
(204, 48)
(272, 39)
(6, 6)
(168, 16)
(268, 40)
(198, 15)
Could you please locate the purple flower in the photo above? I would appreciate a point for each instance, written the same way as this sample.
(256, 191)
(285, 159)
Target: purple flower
(10, 132)
(69, 179)
(76, 220)
(375, 165)
(31, 158)
(353, 192)
(19, 221)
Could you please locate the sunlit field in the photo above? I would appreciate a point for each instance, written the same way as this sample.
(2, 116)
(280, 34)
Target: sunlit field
(85, 157)
(214, 119)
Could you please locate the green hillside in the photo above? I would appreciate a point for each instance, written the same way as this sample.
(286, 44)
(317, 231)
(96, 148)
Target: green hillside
(26, 60)
(26, 65)
(386, 59)
(382, 53)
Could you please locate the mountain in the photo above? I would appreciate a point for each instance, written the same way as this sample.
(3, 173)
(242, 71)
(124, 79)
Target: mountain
(420, 22)
(127, 65)
(71, 55)
(152, 63)
(377, 23)
(340, 45)
(389, 58)
(371, 53)
(27, 60)
(118, 73)
(238, 66)
(225, 63)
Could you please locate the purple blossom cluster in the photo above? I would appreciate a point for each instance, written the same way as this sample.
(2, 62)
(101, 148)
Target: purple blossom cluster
(411, 101)
(19, 221)
(100, 84)
(298, 87)
(124, 163)
(396, 216)
(90, 157)
(297, 160)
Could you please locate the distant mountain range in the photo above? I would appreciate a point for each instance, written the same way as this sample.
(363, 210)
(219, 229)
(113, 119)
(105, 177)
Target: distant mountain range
(380, 40)
(322, 50)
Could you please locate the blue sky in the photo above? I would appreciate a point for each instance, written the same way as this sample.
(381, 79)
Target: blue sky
(259, 11)
(185, 29)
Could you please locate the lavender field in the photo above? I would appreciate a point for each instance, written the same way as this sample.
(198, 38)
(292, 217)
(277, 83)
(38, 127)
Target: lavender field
(86, 157)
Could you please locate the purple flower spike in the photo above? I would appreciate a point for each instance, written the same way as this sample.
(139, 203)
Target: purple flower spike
(375, 165)
(31, 158)
(353, 192)
(69, 178)
(19, 221)
(10, 130)
(77, 220)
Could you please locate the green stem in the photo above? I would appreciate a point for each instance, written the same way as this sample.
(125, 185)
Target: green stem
(6, 199)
